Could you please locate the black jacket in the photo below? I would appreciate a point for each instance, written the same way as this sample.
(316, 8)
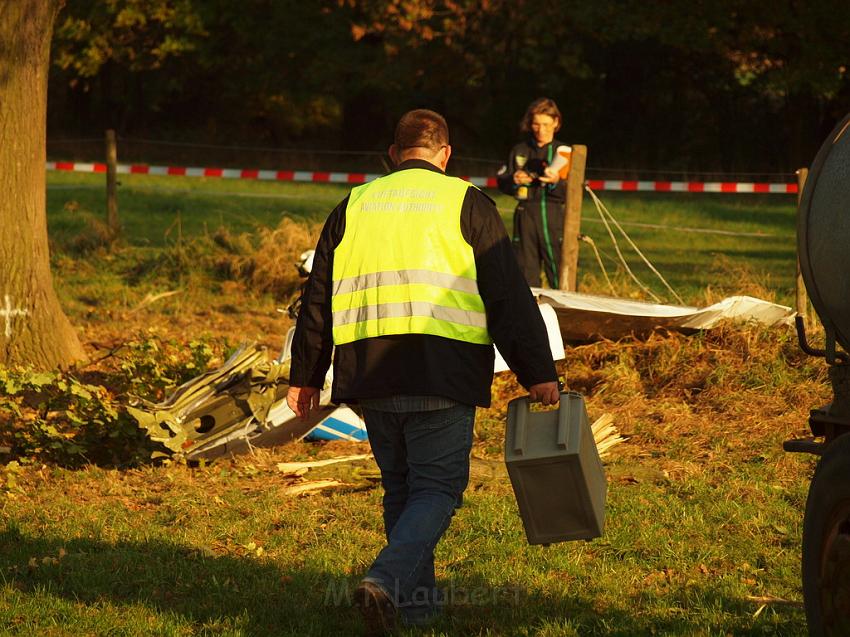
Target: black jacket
(535, 163)
(421, 364)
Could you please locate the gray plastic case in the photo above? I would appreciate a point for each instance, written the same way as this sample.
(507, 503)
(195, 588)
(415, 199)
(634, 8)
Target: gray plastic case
(555, 471)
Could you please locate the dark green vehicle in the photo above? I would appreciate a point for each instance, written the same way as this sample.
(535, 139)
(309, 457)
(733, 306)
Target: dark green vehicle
(823, 245)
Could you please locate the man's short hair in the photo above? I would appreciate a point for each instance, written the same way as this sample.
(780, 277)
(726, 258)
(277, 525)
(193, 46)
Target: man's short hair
(421, 128)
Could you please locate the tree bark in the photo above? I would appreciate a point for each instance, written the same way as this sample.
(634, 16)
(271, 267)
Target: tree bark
(33, 329)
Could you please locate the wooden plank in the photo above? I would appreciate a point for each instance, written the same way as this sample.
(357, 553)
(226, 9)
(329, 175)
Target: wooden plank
(567, 277)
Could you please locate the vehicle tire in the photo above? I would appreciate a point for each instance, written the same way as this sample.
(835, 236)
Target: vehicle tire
(826, 544)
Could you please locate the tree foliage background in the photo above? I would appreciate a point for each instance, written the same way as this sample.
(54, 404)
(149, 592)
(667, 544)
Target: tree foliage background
(727, 85)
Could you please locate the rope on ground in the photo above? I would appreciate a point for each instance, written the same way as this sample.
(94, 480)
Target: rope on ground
(603, 211)
(658, 226)
(587, 239)
(726, 233)
(617, 247)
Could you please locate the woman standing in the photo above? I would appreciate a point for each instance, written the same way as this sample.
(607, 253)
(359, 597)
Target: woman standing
(539, 216)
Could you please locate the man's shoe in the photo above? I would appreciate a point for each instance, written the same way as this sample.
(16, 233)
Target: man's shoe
(376, 606)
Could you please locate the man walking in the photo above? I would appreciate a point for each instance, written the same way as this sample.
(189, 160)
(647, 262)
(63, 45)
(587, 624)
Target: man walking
(413, 281)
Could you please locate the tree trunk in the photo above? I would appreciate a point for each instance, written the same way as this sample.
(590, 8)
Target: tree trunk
(33, 329)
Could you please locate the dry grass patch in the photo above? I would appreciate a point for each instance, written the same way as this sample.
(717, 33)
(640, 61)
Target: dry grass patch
(266, 260)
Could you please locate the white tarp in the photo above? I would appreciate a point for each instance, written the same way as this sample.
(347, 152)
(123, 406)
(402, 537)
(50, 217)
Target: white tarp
(588, 312)
(556, 341)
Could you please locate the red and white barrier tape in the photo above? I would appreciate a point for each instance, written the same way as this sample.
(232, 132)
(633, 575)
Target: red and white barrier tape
(360, 178)
(223, 173)
(692, 186)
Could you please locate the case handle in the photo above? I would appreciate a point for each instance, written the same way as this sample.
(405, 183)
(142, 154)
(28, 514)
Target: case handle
(521, 426)
(563, 420)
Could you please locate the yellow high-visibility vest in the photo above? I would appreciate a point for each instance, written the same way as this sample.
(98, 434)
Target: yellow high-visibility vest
(403, 266)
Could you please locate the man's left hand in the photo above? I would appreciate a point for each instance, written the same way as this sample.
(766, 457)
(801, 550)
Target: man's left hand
(302, 400)
(546, 393)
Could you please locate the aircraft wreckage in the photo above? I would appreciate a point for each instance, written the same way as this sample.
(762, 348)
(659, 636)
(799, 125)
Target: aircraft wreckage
(242, 404)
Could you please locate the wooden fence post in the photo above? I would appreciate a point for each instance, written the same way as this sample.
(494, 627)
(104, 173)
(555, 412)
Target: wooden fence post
(111, 184)
(802, 300)
(567, 277)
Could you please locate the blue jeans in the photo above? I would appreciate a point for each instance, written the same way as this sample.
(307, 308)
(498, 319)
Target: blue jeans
(424, 462)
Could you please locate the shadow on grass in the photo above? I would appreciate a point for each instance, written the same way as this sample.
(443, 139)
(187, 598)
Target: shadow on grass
(255, 597)
(251, 596)
(516, 611)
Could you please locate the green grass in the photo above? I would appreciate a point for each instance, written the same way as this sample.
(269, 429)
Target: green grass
(156, 553)
(154, 210)
(149, 206)
(691, 261)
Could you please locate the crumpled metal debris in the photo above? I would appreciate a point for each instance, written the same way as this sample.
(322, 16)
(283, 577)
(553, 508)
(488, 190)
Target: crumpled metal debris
(228, 410)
